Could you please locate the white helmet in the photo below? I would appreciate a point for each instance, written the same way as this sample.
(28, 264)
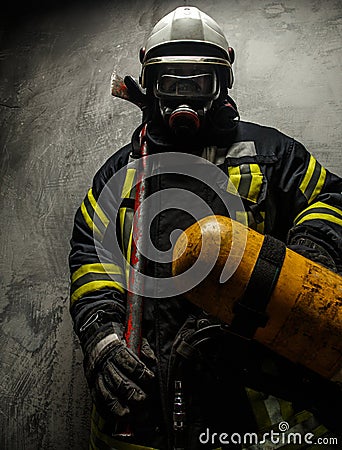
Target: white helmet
(187, 35)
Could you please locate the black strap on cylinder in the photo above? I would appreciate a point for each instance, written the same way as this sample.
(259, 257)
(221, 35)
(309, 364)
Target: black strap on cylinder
(250, 309)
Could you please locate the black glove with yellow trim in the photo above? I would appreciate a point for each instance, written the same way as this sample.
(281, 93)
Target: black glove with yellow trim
(115, 375)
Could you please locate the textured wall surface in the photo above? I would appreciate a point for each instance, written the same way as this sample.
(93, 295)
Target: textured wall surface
(59, 124)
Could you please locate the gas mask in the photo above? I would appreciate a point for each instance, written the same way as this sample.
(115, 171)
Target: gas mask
(187, 71)
(185, 93)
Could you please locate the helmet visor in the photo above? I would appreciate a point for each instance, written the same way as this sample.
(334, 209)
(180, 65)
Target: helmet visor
(187, 81)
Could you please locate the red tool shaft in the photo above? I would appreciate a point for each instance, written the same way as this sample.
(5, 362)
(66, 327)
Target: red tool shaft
(135, 300)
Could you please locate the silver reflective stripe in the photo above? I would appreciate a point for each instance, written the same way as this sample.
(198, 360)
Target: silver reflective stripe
(293, 436)
(214, 155)
(188, 60)
(240, 149)
(101, 346)
(273, 409)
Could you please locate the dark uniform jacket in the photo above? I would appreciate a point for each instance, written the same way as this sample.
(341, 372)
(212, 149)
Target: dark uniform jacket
(230, 385)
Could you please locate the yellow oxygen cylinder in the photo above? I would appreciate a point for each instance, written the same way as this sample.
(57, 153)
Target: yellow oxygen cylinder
(304, 311)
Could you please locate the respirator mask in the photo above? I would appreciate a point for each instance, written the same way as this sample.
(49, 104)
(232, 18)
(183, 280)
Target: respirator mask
(185, 93)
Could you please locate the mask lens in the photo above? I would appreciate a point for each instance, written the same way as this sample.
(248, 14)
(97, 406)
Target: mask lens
(176, 81)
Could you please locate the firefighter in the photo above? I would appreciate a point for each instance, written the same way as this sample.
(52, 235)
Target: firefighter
(224, 384)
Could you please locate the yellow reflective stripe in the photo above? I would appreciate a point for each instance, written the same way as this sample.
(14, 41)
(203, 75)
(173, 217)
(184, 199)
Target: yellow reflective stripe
(273, 408)
(234, 178)
(122, 223)
(304, 184)
(320, 431)
(316, 216)
(321, 205)
(128, 255)
(326, 205)
(242, 217)
(319, 185)
(126, 193)
(320, 209)
(286, 409)
(259, 409)
(260, 227)
(95, 286)
(309, 187)
(127, 187)
(89, 221)
(302, 416)
(97, 208)
(96, 268)
(256, 182)
(266, 420)
(129, 246)
(245, 180)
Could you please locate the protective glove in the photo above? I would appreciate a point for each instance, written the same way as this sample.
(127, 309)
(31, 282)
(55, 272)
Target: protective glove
(115, 375)
(311, 250)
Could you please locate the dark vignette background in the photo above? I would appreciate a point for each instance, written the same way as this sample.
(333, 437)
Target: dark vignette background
(59, 124)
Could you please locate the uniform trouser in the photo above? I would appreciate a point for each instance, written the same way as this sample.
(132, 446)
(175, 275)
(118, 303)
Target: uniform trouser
(301, 423)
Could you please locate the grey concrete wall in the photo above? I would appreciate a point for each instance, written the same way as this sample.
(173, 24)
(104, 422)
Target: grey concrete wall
(59, 123)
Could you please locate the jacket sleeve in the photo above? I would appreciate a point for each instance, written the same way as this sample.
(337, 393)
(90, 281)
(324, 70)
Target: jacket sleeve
(313, 196)
(96, 262)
